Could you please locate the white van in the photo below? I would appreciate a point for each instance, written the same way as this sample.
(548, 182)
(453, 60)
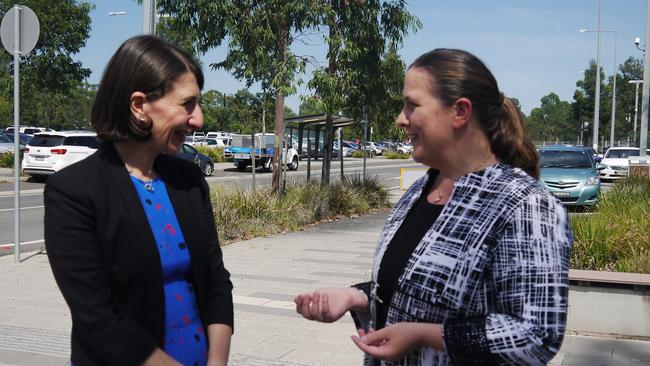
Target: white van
(49, 152)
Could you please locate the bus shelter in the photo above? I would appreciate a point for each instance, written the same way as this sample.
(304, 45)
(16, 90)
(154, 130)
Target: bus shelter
(312, 128)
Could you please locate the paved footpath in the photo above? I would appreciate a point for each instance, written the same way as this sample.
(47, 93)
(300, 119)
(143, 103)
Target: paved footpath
(267, 273)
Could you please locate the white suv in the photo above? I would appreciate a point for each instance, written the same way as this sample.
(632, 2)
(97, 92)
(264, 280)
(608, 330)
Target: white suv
(49, 152)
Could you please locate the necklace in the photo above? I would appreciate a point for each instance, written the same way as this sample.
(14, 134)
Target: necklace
(148, 186)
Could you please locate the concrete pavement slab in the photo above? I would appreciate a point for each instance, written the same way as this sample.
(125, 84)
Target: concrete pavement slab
(267, 273)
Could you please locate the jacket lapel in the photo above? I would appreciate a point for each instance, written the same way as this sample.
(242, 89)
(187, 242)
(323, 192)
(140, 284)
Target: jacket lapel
(144, 244)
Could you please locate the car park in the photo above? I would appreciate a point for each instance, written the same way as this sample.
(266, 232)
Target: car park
(616, 162)
(571, 174)
(204, 162)
(49, 152)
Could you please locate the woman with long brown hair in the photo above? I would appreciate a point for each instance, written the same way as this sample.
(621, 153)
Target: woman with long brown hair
(472, 264)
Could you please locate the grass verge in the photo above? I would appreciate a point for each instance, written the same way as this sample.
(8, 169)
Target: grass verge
(241, 215)
(616, 237)
(396, 155)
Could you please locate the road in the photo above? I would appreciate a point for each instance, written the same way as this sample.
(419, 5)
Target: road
(31, 196)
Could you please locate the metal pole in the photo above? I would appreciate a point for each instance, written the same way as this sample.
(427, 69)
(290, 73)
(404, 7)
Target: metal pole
(611, 137)
(365, 138)
(17, 133)
(149, 17)
(308, 154)
(341, 150)
(643, 139)
(253, 155)
(636, 109)
(597, 96)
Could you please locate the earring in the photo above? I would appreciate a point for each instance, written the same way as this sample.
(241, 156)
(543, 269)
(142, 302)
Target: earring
(141, 119)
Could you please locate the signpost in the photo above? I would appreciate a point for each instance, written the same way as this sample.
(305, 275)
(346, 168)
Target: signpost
(19, 32)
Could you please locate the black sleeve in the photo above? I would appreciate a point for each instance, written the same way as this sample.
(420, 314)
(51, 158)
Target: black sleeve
(362, 318)
(80, 272)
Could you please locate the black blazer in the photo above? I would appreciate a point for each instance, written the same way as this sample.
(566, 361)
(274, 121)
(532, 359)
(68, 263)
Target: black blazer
(105, 259)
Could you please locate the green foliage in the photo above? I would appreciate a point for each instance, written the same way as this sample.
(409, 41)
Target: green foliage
(7, 160)
(214, 153)
(50, 77)
(617, 236)
(243, 214)
(240, 112)
(551, 121)
(396, 155)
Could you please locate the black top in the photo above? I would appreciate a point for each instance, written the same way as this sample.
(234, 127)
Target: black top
(417, 222)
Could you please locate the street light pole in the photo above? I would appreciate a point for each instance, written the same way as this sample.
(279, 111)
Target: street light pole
(611, 134)
(643, 138)
(636, 107)
(116, 14)
(597, 100)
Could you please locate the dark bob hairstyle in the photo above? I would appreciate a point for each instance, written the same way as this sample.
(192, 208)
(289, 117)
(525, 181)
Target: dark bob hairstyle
(147, 64)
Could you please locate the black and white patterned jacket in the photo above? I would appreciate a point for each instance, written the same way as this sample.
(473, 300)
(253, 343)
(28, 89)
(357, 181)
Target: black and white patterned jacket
(493, 269)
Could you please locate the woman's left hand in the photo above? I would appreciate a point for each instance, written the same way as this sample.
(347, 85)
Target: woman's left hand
(395, 341)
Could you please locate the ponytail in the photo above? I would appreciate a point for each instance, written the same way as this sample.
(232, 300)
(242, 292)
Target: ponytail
(457, 73)
(510, 142)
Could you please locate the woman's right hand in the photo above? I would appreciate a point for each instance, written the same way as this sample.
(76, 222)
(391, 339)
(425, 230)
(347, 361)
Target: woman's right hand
(329, 304)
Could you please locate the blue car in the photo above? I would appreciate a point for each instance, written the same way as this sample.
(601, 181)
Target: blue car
(571, 174)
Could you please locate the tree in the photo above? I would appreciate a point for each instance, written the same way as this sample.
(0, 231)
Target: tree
(260, 34)
(584, 97)
(358, 36)
(49, 72)
(631, 69)
(552, 120)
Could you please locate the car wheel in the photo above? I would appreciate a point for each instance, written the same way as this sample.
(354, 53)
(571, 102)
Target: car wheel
(241, 166)
(269, 165)
(294, 164)
(208, 169)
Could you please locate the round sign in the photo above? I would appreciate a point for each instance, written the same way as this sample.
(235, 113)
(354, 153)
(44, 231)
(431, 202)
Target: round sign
(29, 30)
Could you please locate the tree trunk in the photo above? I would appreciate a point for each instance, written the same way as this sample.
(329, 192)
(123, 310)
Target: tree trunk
(279, 119)
(329, 121)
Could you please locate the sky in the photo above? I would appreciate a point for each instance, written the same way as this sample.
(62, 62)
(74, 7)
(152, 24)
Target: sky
(532, 47)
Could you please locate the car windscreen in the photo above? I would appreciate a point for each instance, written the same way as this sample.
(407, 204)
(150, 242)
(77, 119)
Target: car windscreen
(87, 141)
(622, 154)
(46, 140)
(5, 138)
(564, 159)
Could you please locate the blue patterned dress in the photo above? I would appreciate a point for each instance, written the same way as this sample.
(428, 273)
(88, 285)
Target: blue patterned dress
(185, 339)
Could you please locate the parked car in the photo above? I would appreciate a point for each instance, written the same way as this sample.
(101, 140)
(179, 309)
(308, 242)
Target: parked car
(571, 174)
(404, 148)
(49, 152)
(374, 148)
(204, 162)
(616, 162)
(7, 143)
(347, 149)
(23, 137)
(29, 130)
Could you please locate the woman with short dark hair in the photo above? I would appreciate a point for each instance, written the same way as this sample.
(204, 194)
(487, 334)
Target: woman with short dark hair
(130, 231)
(472, 265)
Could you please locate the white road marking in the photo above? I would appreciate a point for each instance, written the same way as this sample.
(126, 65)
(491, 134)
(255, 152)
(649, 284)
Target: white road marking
(22, 208)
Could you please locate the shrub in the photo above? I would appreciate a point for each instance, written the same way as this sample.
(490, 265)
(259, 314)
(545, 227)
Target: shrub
(243, 214)
(7, 160)
(396, 155)
(215, 153)
(616, 237)
(359, 154)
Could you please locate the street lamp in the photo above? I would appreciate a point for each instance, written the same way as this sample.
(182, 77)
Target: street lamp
(115, 14)
(636, 106)
(613, 125)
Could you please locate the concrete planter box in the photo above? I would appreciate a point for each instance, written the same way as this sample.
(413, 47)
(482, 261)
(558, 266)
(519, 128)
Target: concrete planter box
(609, 303)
